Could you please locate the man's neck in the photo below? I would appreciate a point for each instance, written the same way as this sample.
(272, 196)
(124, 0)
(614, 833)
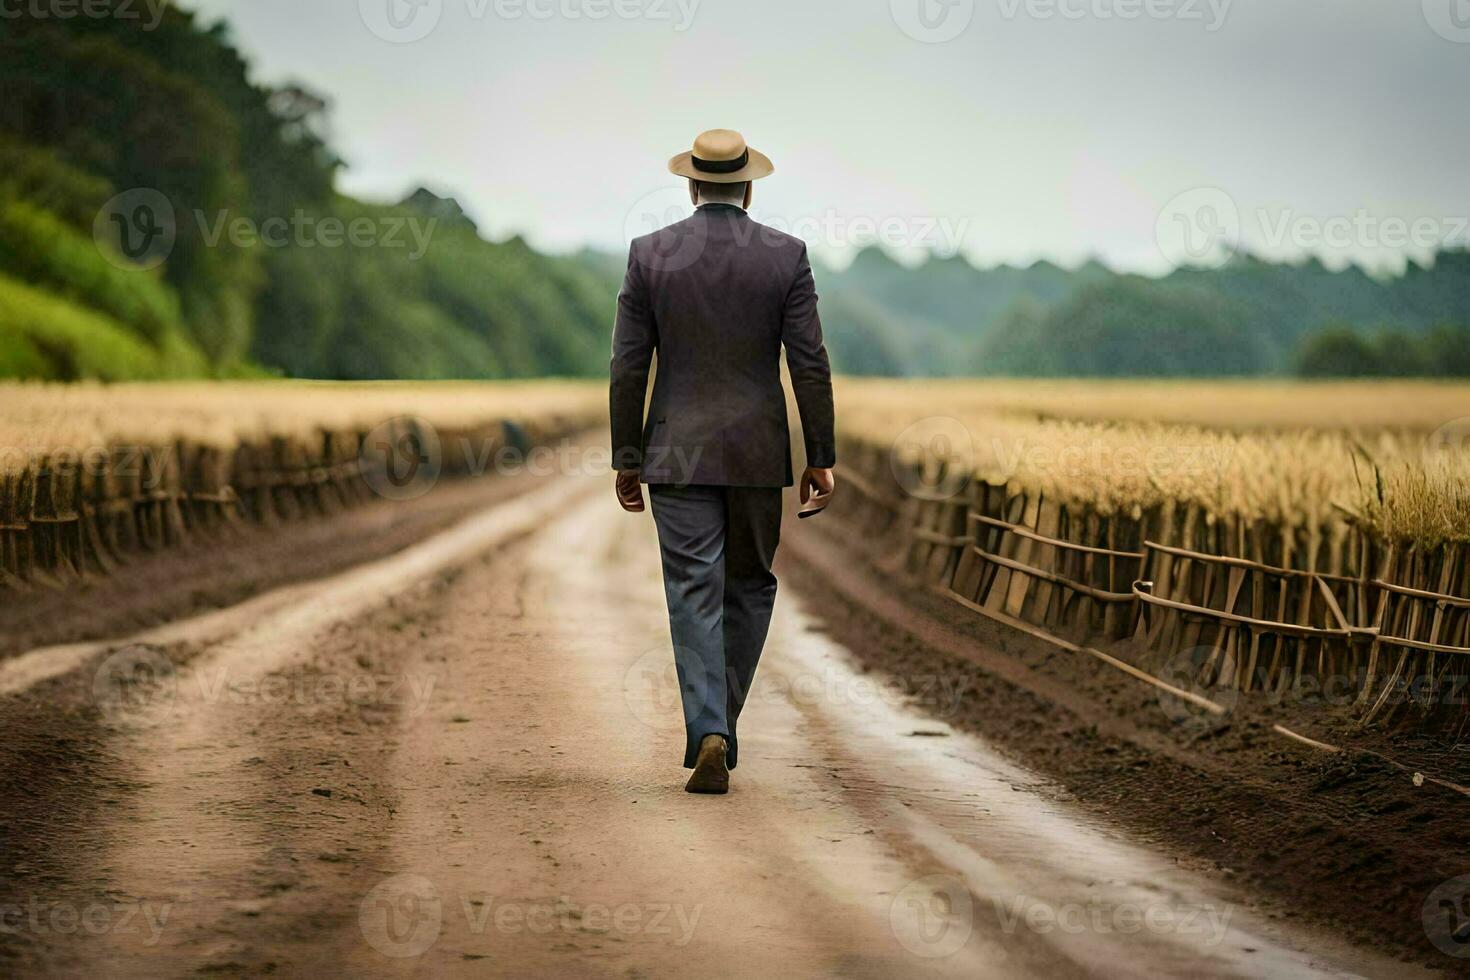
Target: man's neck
(704, 203)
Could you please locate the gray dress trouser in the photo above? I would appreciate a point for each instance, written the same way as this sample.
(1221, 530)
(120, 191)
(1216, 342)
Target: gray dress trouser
(717, 545)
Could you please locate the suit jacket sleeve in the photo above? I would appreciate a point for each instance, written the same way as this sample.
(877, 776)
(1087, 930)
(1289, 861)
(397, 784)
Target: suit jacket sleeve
(635, 338)
(811, 374)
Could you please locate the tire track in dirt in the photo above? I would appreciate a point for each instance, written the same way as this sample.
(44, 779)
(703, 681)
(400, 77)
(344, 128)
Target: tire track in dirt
(512, 803)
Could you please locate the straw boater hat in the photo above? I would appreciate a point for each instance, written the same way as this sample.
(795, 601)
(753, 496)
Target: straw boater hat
(720, 156)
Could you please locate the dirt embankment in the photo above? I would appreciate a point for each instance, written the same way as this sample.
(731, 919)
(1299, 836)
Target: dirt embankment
(216, 570)
(1344, 840)
(463, 760)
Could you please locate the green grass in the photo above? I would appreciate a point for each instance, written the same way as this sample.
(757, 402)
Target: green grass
(45, 336)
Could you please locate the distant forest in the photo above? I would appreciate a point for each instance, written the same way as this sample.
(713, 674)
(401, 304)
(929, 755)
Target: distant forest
(1250, 317)
(95, 108)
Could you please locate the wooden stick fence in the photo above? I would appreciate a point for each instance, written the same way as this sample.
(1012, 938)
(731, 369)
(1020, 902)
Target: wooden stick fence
(64, 518)
(1330, 617)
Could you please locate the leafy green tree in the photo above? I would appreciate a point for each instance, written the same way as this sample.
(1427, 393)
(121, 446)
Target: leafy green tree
(1336, 351)
(1399, 354)
(45, 336)
(1129, 326)
(1447, 351)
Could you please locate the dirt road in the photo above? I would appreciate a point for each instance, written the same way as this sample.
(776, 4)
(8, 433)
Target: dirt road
(463, 760)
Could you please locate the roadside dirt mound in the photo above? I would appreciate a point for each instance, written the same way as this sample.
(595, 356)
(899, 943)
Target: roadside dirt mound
(464, 759)
(217, 570)
(1344, 840)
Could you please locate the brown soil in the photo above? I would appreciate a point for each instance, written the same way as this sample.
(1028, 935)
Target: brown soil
(463, 759)
(213, 571)
(1344, 840)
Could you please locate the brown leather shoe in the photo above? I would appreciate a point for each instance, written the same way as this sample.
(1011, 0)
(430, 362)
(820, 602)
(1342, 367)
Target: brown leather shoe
(710, 773)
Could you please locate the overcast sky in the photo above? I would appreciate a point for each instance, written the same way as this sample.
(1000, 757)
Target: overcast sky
(1137, 131)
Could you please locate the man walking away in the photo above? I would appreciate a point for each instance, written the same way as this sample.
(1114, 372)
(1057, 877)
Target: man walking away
(718, 296)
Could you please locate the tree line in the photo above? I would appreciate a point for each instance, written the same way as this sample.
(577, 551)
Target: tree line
(102, 116)
(264, 267)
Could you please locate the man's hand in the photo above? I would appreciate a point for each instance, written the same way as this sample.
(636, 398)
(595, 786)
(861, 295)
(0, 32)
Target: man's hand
(630, 491)
(818, 479)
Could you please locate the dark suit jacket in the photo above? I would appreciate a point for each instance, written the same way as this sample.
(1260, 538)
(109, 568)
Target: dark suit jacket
(717, 295)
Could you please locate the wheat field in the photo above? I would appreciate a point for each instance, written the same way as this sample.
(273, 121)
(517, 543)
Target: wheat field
(90, 473)
(1342, 507)
(1280, 532)
(41, 420)
(1389, 457)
